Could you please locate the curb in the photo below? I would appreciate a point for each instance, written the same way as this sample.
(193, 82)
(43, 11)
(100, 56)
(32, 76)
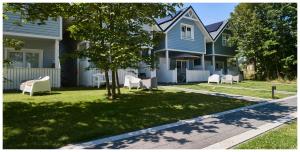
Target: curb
(93, 143)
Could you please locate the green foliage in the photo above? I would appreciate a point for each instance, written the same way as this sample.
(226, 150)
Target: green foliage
(266, 34)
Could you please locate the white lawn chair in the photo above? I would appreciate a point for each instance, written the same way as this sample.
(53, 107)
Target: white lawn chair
(236, 78)
(131, 81)
(214, 78)
(39, 85)
(227, 79)
(98, 79)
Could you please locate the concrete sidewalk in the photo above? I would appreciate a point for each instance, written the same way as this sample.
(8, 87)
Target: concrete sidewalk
(227, 95)
(244, 88)
(214, 132)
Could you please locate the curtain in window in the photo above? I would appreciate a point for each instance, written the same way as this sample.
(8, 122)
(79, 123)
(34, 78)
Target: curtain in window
(189, 32)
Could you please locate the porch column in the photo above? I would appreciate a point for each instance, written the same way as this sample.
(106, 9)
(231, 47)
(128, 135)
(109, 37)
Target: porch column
(213, 57)
(167, 59)
(203, 62)
(56, 54)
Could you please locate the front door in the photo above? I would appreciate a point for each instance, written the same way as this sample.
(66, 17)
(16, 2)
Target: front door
(181, 71)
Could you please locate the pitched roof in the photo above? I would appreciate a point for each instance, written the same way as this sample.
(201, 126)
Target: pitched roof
(164, 23)
(169, 17)
(216, 28)
(213, 27)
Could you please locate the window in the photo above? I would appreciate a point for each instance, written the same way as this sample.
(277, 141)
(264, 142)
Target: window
(225, 38)
(197, 62)
(187, 32)
(25, 58)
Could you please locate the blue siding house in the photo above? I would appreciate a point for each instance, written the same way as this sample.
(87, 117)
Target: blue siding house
(40, 54)
(190, 51)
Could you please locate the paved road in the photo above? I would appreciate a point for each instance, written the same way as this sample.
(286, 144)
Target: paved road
(208, 131)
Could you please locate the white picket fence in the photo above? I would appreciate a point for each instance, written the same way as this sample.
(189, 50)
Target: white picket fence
(18, 75)
(86, 76)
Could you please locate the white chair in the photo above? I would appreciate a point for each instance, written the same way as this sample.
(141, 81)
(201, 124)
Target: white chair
(227, 79)
(39, 85)
(214, 78)
(98, 79)
(131, 81)
(236, 78)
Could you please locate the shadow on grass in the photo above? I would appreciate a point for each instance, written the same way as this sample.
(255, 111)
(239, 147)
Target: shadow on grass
(55, 124)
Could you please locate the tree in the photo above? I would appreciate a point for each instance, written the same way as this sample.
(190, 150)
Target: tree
(115, 33)
(265, 33)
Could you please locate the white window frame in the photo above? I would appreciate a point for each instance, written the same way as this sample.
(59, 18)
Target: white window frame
(24, 51)
(187, 26)
(225, 39)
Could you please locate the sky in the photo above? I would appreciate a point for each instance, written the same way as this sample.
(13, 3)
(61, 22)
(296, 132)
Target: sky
(212, 12)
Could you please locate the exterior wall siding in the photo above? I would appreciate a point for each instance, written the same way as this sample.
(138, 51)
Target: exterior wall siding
(220, 49)
(46, 45)
(51, 28)
(175, 41)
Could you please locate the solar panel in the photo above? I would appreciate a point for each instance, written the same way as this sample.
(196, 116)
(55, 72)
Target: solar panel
(213, 27)
(169, 17)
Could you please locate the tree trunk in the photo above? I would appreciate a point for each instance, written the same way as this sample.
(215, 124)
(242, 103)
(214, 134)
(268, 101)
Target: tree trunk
(118, 83)
(277, 72)
(255, 70)
(107, 84)
(113, 90)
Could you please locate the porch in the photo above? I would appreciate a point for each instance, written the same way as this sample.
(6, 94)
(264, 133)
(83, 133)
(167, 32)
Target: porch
(16, 76)
(38, 57)
(181, 67)
(221, 64)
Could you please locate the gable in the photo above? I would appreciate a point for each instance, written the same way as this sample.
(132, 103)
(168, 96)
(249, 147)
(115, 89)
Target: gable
(176, 42)
(191, 15)
(216, 29)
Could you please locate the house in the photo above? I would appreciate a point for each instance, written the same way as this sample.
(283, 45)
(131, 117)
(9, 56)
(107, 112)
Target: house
(190, 51)
(39, 56)
(219, 51)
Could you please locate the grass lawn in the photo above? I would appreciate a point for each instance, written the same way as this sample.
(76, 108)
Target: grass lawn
(247, 92)
(70, 116)
(266, 85)
(284, 137)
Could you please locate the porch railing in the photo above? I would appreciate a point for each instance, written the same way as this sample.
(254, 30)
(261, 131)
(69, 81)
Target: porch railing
(197, 75)
(16, 76)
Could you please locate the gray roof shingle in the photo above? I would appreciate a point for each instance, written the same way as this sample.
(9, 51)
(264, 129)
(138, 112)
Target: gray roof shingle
(213, 27)
(169, 17)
